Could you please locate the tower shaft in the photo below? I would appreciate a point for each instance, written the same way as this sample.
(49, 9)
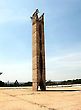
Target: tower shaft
(38, 52)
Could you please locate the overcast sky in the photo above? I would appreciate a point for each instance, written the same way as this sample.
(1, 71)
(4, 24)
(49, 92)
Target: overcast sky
(62, 38)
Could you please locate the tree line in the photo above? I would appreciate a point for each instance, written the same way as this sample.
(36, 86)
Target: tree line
(48, 83)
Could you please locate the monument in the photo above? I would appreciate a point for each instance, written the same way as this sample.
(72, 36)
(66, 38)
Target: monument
(38, 52)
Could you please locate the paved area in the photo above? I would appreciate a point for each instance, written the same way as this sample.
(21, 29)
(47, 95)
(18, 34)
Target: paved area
(58, 98)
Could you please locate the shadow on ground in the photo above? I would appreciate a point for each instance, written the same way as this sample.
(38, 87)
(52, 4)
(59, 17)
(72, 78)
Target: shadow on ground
(61, 90)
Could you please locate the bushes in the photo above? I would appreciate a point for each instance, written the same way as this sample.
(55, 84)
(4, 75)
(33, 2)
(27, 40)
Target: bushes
(2, 84)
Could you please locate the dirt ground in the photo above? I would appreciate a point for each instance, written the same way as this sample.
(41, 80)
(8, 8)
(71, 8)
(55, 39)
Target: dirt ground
(55, 98)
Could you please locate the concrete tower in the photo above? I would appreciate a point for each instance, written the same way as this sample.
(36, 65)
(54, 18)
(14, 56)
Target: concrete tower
(38, 52)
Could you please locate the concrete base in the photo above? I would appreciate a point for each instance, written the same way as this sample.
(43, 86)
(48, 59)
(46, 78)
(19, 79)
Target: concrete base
(34, 86)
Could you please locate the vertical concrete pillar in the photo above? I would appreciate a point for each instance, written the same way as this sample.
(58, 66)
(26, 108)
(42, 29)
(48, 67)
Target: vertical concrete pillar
(38, 52)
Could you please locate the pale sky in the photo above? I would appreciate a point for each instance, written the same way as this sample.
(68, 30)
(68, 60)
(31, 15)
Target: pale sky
(62, 39)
